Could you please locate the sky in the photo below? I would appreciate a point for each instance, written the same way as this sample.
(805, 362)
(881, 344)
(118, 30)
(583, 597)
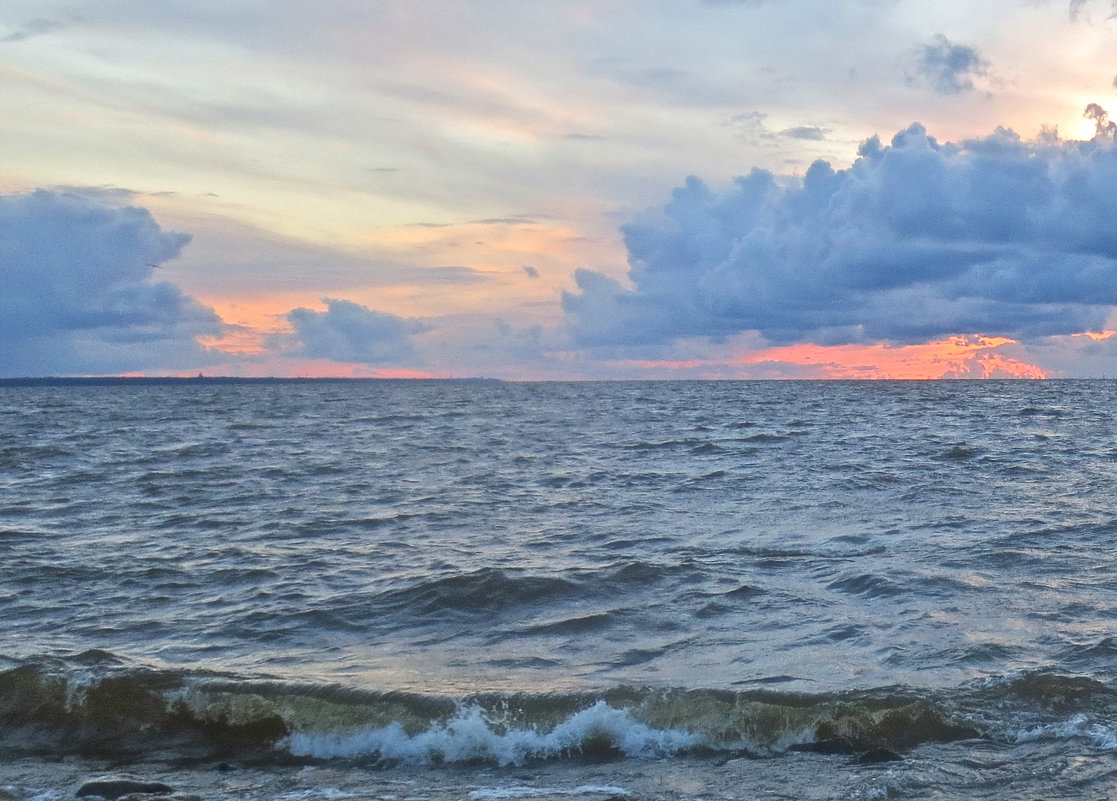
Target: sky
(559, 189)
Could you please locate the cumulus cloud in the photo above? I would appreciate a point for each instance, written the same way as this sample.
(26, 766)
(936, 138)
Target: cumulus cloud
(917, 240)
(76, 289)
(948, 68)
(350, 332)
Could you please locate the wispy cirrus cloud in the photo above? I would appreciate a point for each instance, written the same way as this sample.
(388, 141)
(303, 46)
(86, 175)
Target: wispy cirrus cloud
(33, 28)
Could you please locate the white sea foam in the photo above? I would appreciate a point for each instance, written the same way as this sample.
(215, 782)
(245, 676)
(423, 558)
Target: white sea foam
(1099, 735)
(470, 735)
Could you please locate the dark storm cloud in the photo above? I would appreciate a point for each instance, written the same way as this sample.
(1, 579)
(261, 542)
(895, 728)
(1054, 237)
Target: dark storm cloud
(350, 332)
(948, 68)
(76, 289)
(916, 240)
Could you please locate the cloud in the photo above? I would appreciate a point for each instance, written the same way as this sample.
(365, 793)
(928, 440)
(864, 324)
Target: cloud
(1076, 6)
(523, 219)
(529, 271)
(228, 257)
(76, 289)
(1078, 355)
(1104, 127)
(808, 132)
(36, 27)
(916, 241)
(750, 126)
(948, 68)
(350, 332)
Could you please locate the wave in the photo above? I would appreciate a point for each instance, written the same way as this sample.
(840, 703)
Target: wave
(97, 702)
(476, 734)
(484, 590)
(1077, 726)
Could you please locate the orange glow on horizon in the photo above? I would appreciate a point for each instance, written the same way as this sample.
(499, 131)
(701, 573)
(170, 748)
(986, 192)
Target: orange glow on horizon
(959, 356)
(304, 368)
(245, 350)
(239, 341)
(954, 357)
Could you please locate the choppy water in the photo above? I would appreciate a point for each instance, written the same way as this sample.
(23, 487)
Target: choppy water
(447, 571)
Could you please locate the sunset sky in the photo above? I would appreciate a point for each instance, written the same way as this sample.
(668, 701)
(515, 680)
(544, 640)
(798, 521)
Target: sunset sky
(563, 189)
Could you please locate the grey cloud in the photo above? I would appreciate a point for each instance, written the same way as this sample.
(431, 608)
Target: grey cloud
(36, 27)
(104, 194)
(529, 271)
(1084, 356)
(448, 274)
(1103, 125)
(350, 332)
(916, 240)
(522, 219)
(76, 289)
(751, 127)
(1076, 7)
(948, 68)
(807, 132)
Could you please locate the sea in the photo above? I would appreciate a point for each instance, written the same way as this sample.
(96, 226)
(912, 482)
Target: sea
(420, 589)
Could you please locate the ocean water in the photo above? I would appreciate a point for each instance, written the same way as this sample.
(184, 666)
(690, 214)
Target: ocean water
(391, 574)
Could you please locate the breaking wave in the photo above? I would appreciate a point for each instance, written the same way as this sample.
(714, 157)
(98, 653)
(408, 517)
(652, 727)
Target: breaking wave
(95, 702)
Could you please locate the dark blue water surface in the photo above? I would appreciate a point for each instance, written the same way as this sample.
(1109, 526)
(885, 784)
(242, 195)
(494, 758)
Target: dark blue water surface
(935, 540)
